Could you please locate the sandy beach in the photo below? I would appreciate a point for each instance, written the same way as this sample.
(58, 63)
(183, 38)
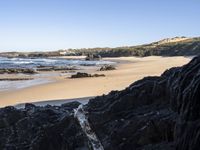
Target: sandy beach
(129, 69)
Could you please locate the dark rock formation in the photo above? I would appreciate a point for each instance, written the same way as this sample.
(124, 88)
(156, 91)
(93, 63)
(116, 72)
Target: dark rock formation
(98, 75)
(56, 68)
(107, 67)
(17, 70)
(155, 113)
(138, 117)
(93, 57)
(15, 79)
(86, 75)
(41, 128)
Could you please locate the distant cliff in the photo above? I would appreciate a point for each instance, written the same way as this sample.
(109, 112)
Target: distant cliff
(155, 113)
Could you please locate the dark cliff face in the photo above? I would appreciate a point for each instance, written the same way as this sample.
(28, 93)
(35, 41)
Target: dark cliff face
(139, 117)
(155, 113)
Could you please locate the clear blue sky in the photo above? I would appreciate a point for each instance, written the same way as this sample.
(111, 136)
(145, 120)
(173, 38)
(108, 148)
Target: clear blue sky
(62, 24)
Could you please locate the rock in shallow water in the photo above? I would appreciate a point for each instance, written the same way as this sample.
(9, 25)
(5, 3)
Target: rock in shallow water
(17, 70)
(86, 75)
(155, 113)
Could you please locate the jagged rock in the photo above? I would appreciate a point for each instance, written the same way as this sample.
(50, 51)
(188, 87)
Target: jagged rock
(92, 57)
(98, 75)
(135, 117)
(155, 113)
(71, 106)
(17, 70)
(86, 75)
(45, 128)
(185, 97)
(15, 79)
(9, 116)
(107, 67)
(56, 68)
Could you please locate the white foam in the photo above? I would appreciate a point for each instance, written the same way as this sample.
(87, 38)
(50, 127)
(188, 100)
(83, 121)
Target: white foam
(79, 113)
(11, 85)
(27, 62)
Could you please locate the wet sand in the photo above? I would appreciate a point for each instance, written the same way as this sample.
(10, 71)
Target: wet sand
(129, 69)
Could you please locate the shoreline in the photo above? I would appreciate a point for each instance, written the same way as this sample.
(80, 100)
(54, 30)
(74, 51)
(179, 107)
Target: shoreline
(57, 102)
(129, 69)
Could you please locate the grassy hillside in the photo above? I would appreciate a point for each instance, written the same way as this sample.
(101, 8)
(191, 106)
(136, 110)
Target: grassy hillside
(187, 47)
(178, 46)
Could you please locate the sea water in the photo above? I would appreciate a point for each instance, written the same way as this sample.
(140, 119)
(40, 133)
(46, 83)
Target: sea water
(36, 62)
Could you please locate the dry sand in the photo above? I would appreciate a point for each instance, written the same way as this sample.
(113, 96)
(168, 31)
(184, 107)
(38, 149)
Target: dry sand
(129, 69)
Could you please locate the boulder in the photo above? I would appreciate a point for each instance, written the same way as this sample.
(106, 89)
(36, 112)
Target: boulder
(56, 68)
(107, 68)
(17, 70)
(86, 75)
(92, 57)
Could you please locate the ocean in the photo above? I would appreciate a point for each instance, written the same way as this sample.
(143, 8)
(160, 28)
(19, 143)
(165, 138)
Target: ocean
(36, 62)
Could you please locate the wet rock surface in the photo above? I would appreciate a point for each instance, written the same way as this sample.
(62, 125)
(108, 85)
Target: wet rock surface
(155, 113)
(93, 57)
(107, 68)
(15, 79)
(17, 70)
(86, 75)
(56, 68)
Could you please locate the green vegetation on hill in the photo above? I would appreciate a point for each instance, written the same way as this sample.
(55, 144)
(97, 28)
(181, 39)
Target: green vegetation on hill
(178, 46)
(186, 47)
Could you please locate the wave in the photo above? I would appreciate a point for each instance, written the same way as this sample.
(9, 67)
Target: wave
(31, 63)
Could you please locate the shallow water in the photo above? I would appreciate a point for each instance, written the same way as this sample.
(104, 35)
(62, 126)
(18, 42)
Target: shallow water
(33, 63)
(13, 85)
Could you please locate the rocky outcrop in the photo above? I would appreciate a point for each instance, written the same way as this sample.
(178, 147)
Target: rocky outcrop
(93, 57)
(86, 75)
(17, 70)
(41, 128)
(138, 117)
(15, 79)
(56, 68)
(155, 113)
(107, 68)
